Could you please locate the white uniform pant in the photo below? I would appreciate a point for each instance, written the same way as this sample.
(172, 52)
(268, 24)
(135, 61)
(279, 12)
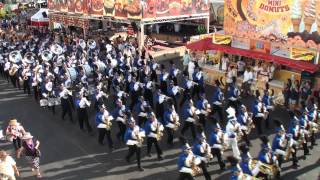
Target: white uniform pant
(234, 145)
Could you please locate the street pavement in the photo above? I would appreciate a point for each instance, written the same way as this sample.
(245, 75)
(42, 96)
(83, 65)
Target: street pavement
(71, 154)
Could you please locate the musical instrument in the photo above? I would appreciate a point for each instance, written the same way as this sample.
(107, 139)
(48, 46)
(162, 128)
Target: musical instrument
(56, 49)
(175, 119)
(46, 55)
(195, 166)
(13, 70)
(159, 132)
(139, 138)
(15, 56)
(72, 73)
(87, 70)
(92, 44)
(107, 121)
(29, 58)
(100, 66)
(248, 177)
(270, 170)
(82, 43)
(60, 60)
(207, 152)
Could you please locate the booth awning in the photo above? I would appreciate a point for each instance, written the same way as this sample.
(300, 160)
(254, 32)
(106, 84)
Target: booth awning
(40, 18)
(206, 44)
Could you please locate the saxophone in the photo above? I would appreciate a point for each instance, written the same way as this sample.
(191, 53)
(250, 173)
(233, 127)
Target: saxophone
(175, 120)
(139, 138)
(159, 133)
(207, 152)
(107, 121)
(195, 168)
(264, 168)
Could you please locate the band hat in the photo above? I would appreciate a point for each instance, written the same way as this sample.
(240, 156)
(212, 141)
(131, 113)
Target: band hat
(186, 147)
(13, 122)
(27, 135)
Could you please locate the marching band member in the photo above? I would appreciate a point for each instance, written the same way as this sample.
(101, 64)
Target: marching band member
(197, 77)
(173, 73)
(217, 100)
(267, 101)
(312, 111)
(245, 121)
(26, 74)
(204, 107)
(173, 92)
(233, 94)
(14, 133)
(120, 117)
(190, 114)
(203, 151)
(103, 122)
(142, 109)
(232, 130)
(293, 137)
(65, 102)
(163, 79)
(148, 86)
(160, 100)
(246, 161)
(154, 132)
(187, 86)
(304, 134)
(187, 163)
(216, 143)
(279, 145)
(134, 138)
(100, 96)
(135, 91)
(172, 123)
(236, 171)
(258, 113)
(82, 104)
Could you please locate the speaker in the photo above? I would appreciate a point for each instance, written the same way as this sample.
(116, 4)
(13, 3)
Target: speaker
(44, 14)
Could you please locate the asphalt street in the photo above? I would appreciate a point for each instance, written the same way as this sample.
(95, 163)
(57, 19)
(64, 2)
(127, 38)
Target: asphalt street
(70, 154)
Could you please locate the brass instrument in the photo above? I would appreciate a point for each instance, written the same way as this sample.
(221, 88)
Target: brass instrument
(195, 168)
(207, 152)
(29, 58)
(13, 70)
(175, 119)
(15, 56)
(271, 170)
(107, 120)
(194, 115)
(140, 139)
(56, 49)
(46, 55)
(159, 132)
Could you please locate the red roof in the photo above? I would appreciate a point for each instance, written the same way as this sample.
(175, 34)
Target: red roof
(206, 44)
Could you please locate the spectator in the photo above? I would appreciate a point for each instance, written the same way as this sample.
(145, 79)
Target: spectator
(8, 167)
(186, 60)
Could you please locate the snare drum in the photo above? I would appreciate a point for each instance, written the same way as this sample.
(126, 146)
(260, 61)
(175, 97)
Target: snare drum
(87, 70)
(57, 101)
(72, 73)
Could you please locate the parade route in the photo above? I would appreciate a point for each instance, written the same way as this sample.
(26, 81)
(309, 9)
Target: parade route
(69, 153)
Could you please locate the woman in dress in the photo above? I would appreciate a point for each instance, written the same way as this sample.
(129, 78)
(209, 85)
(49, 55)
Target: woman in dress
(30, 148)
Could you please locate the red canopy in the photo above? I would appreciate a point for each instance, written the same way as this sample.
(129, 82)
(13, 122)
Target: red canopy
(206, 44)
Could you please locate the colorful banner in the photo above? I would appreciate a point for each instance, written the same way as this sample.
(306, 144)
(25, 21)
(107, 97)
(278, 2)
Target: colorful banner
(291, 22)
(221, 39)
(64, 5)
(96, 7)
(119, 9)
(303, 54)
(174, 8)
(109, 7)
(134, 9)
(79, 6)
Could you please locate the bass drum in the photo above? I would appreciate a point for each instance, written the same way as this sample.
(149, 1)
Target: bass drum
(87, 70)
(100, 66)
(72, 73)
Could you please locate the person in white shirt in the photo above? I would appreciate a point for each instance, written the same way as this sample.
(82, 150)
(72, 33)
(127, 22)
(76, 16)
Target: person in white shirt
(83, 116)
(191, 67)
(271, 70)
(232, 130)
(8, 167)
(241, 66)
(186, 60)
(247, 80)
(224, 62)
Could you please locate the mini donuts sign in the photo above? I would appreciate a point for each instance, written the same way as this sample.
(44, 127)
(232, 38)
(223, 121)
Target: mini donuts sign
(258, 19)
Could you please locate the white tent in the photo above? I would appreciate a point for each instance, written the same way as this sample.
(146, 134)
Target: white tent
(39, 19)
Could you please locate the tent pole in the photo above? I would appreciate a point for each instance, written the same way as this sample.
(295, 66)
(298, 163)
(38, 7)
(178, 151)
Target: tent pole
(141, 43)
(207, 21)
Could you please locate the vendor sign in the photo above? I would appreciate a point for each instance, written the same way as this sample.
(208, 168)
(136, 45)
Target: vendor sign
(275, 21)
(95, 7)
(303, 54)
(221, 39)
